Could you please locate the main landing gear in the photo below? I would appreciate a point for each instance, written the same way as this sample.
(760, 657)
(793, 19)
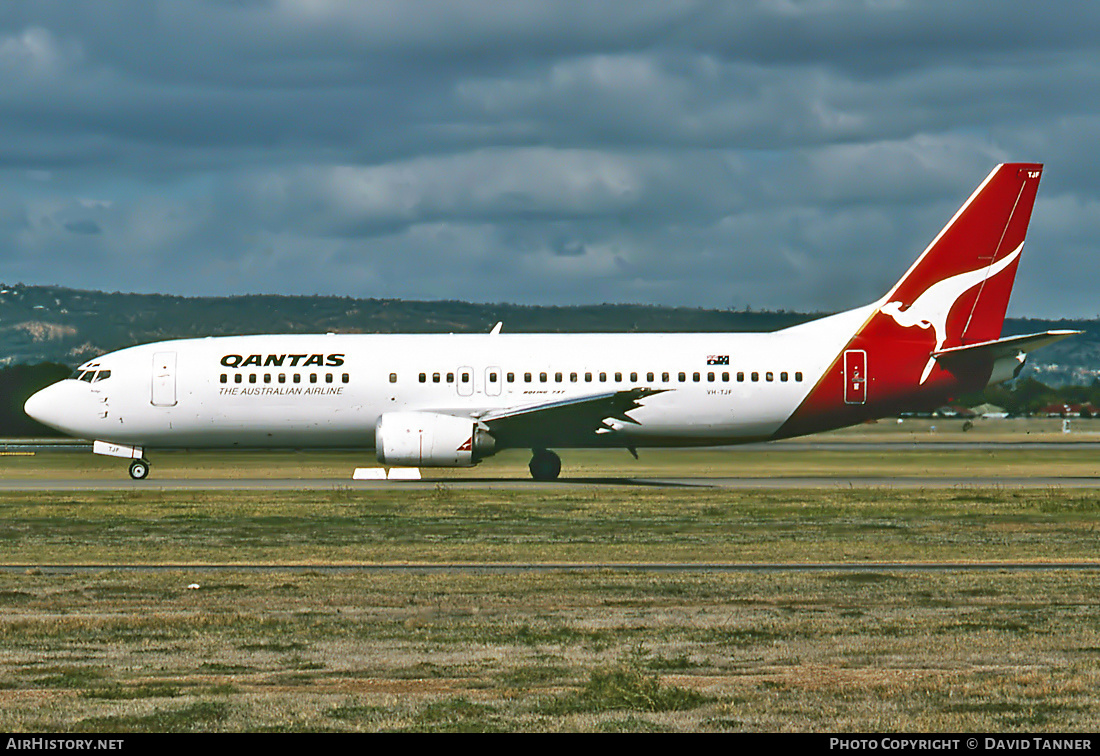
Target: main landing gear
(545, 464)
(139, 469)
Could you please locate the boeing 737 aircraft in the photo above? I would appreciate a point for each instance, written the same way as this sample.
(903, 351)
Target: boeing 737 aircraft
(453, 400)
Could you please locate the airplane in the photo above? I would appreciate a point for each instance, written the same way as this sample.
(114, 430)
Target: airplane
(453, 400)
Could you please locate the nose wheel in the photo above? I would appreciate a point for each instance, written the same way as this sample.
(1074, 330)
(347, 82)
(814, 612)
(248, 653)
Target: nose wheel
(545, 464)
(139, 469)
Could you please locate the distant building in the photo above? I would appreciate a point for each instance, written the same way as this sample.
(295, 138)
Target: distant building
(953, 411)
(1069, 410)
(989, 411)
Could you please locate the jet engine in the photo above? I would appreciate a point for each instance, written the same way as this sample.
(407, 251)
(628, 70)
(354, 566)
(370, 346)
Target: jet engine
(430, 439)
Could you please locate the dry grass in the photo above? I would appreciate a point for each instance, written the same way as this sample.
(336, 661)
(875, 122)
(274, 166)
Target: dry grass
(567, 650)
(597, 524)
(558, 651)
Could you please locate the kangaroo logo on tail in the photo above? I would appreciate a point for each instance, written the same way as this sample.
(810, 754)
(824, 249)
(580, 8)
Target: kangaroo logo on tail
(931, 308)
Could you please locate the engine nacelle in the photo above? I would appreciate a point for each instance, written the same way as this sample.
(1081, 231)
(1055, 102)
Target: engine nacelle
(430, 439)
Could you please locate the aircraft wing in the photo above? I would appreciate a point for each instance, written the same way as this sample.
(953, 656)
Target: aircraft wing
(1007, 347)
(550, 423)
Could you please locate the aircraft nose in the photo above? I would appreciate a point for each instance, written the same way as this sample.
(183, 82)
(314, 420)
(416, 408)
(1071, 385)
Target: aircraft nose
(44, 407)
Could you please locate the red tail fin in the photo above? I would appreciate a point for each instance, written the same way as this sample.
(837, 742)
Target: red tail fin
(955, 294)
(961, 284)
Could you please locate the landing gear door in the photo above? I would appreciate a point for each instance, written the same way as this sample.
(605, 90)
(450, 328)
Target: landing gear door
(855, 376)
(164, 379)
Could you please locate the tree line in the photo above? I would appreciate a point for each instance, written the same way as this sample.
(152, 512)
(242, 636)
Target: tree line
(1027, 396)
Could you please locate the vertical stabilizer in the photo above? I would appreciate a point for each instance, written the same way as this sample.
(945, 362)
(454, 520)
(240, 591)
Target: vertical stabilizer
(958, 289)
(954, 295)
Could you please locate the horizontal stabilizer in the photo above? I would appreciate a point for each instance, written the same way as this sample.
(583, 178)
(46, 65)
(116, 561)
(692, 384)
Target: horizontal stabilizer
(1006, 347)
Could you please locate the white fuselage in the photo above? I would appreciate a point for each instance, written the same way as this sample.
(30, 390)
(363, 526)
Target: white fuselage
(330, 390)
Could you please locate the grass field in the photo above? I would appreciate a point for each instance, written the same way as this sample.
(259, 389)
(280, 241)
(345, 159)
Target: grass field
(317, 649)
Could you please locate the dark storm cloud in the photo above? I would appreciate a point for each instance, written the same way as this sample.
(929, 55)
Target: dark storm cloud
(776, 154)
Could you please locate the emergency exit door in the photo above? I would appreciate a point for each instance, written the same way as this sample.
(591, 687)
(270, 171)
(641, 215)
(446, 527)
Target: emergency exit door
(164, 379)
(855, 376)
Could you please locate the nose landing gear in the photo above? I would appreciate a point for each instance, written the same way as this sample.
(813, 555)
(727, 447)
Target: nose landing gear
(139, 469)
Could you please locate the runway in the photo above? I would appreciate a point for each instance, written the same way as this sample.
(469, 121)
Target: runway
(562, 484)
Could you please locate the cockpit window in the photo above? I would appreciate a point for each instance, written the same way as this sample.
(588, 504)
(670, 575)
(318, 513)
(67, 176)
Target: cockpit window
(90, 375)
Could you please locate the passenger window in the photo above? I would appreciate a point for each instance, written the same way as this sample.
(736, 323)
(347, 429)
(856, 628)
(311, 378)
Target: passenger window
(572, 377)
(393, 377)
(710, 377)
(313, 377)
(682, 376)
(237, 378)
(282, 377)
(297, 378)
(695, 377)
(346, 378)
(224, 378)
(542, 377)
(633, 377)
(557, 377)
(725, 377)
(435, 377)
(618, 377)
(649, 377)
(603, 377)
(740, 377)
(492, 377)
(423, 377)
(251, 377)
(510, 377)
(798, 376)
(267, 377)
(783, 377)
(587, 377)
(664, 377)
(328, 377)
(756, 376)
(768, 376)
(450, 377)
(526, 377)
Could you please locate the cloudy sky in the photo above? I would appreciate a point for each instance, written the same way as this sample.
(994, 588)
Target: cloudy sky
(772, 154)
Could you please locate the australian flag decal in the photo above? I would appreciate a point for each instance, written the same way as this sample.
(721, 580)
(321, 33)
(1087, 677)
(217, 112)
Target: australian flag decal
(718, 359)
